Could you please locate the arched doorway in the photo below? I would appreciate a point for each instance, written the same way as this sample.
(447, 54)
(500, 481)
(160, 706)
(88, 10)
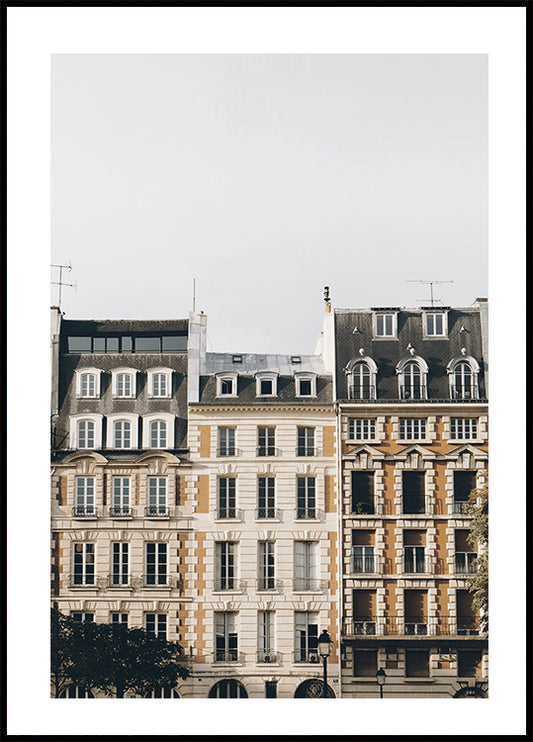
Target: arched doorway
(471, 692)
(313, 688)
(228, 689)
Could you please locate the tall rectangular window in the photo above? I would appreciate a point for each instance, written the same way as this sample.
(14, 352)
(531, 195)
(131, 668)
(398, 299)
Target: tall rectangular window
(414, 492)
(156, 564)
(363, 492)
(83, 564)
(124, 385)
(121, 496)
(271, 689)
(88, 385)
(306, 565)
(225, 565)
(306, 498)
(226, 640)
(226, 441)
(417, 663)
(85, 496)
(265, 636)
(364, 612)
(266, 441)
(157, 495)
(365, 663)
(469, 663)
(436, 324)
(156, 623)
(120, 551)
(226, 498)
(463, 428)
(384, 324)
(362, 429)
(266, 498)
(159, 385)
(363, 551)
(122, 434)
(119, 619)
(464, 482)
(266, 565)
(306, 442)
(158, 434)
(415, 609)
(85, 434)
(465, 554)
(412, 428)
(306, 636)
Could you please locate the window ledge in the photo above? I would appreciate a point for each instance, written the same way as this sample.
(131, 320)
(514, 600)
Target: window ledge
(418, 680)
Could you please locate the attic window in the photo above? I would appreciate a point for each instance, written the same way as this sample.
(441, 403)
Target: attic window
(296, 359)
(266, 384)
(227, 385)
(237, 359)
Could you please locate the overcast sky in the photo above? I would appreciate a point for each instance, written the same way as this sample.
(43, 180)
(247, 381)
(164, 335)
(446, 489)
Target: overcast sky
(267, 177)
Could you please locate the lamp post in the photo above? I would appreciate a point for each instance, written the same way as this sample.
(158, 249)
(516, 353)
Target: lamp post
(380, 677)
(324, 650)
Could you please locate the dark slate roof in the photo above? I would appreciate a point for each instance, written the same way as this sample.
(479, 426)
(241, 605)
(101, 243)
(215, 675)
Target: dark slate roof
(387, 353)
(101, 326)
(246, 387)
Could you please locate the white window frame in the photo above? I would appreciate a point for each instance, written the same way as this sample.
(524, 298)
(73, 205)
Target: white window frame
(266, 564)
(266, 376)
(394, 333)
(225, 565)
(265, 635)
(423, 369)
(126, 417)
(115, 374)
(160, 621)
(85, 562)
(302, 376)
(425, 320)
(157, 496)
(226, 440)
(96, 419)
(472, 422)
(306, 646)
(409, 423)
(121, 495)
(163, 371)
(147, 421)
(306, 566)
(226, 628)
(97, 373)
(121, 559)
(160, 563)
(85, 495)
(474, 372)
(362, 422)
(231, 377)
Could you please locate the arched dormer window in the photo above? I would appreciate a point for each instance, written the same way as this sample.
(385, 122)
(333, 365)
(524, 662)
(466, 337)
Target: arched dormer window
(463, 372)
(88, 383)
(412, 378)
(361, 373)
(158, 430)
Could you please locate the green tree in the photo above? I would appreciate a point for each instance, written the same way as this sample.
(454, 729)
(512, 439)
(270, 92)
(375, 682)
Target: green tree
(478, 584)
(72, 657)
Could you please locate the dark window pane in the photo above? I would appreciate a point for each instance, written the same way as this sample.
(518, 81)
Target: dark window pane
(112, 345)
(126, 344)
(147, 345)
(365, 663)
(174, 343)
(416, 663)
(305, 388)
(79, 345)
(413, 492)
(362, 492)
(98, 345)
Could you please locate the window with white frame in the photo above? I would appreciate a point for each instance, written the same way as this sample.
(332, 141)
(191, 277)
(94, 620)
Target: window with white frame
(82, 616)
(157, 496)
(156, 563)
(412, 379)
(121, 496)
(119, 619)
(156, 624)
(266, 497)
(226, 498)
(122, 434)
(463, 428)
(306, 636)
(226, 640)
(435, 324)
(265, 636)
(266, 441)
(123, 383)
(83, 563)
(158, 430)
(159, 383)
(362, 382)
(385, 324)
(305, 385)
(120, 563)
(85, 434)
(85, 496)
(158, 434)
(227, 385)
(306, 565)
(226, 441)
(225, 565)
(122, 430)
(363, 551)
(463, 375)
(86, 431)
(362, 429)
(266, 565)
(306, 442)
(412, 428)
(266, 385)
(306, 498)
(88, 383)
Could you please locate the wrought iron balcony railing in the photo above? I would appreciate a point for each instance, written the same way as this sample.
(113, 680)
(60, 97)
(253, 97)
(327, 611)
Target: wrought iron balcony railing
(269, 583)
(308, 513)
(85, 511)
(306, 654)
(362, 393)
(461, 507)
(417, 566)
(308, 451)
(415, 392)
(309, 584)
(266, 655)
(120, 511)
(157, 511)
(465, 562)
(267, 451)
(223, 451)
(227, 655)
(222, 584)
(228, 514)
(413, 626)
(267, 513)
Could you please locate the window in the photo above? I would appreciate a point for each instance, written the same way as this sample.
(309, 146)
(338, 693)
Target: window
(363, 492)
(228, 689)
(305, 385)
(465, 556)
(265, 635)
(82, 617)
(266, 441)
(122, 434)
(361, 386)
(266, 565)
(121, 496)
(88, 383)
(83, 559)
(306, 442)
(469, 663)
(415, 607)
(79, 344)
(266, 497)
(364, 612)
(158, 434)
(467, 617)
(156, 564)
(463, 484)
(436, 324)
(157, 496)
(122, 430)
(173, 343)
(306, 636)
(159, 384)
(385, 324)
(412, 428)
(162, 693)
(123, 383)
(363, 551)
(412, 380)
(416, 663)
(225, 565)
(226, 645)
(306, 498)
(414, 558)
(119, 619)
(147, 345)
(85, 434)
(156, 624)
(414, 492)
(85, 496)
(362, 429)
(306, 565)
(271, 689)
(75, 691)
(365, 663)
(266, 385)
(463, 373)
(227, 385)
(463, 428)
(120, 552)
(226, 498)
(226, 441)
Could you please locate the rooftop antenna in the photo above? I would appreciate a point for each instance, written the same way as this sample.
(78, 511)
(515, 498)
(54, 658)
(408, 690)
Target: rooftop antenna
(431, 283)
(60, 282)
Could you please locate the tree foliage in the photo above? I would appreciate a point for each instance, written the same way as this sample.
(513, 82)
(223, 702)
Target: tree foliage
(478, 584)
(112, 658)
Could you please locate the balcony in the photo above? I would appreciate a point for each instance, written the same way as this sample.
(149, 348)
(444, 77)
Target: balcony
(86, 579)
(228, 584)
(416, 392)
(307, 514)
(269, 584)
(267, 513)
(417, 566)
(84, 511)
(231, 451)
(157, 511)
(465, 562)
(267, 655)
(307, 655)
(461, 507)
(363, 393)
(309, 584)
(228, 514)
(267, 451)
(227, 655)
(372, 626)
(307, 451)
(120, 511)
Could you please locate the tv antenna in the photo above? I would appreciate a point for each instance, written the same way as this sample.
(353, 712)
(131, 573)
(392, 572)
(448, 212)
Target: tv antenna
(60, 283)
(431, 284)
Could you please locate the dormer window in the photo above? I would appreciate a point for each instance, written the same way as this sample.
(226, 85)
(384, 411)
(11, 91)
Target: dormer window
(305, 385)
(385, 324)
(123, 384)
(266, 384)
(88, 383)
(435, 324)
(86, 431)
(159, 382)
(463, 373)
(122, 431)
(412, 378)
(158, 430)
(227, 385)
(361, 373)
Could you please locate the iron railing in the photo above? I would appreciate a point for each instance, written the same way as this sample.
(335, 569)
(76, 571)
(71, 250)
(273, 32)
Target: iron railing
(120, 511)
(362, 393)
(309, 584)
(412, 626)
(267, 513)
(461, 507)
(267, 655)
(307, 451)
(222, 584)
(227, 655)
(306, 654)
(267, 451)
(269, 583)
(465, 562)
(85, 511)
(157, 511)
(307, 514)
(228, 514)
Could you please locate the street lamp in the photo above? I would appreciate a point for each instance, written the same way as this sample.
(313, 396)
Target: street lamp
(380, 677)
(324, 650)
